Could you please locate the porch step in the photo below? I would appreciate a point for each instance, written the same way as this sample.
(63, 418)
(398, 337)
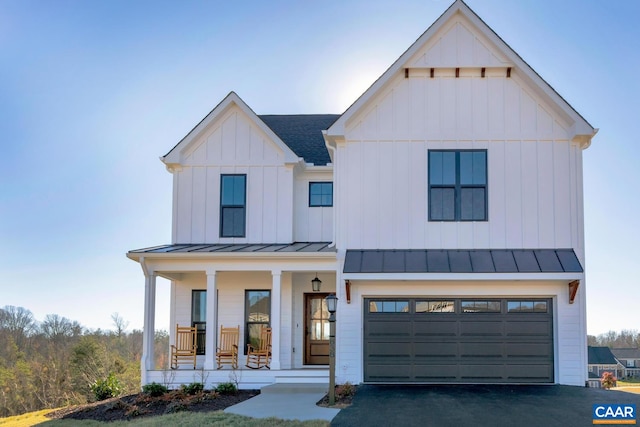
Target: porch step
(295, 388)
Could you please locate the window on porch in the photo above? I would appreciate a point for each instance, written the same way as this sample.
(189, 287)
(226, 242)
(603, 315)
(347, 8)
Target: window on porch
(257, 308)
(199, 317)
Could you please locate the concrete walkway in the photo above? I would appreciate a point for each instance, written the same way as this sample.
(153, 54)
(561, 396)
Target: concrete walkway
(287, 402)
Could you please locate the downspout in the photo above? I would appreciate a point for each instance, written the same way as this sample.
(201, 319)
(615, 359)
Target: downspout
(332, 149)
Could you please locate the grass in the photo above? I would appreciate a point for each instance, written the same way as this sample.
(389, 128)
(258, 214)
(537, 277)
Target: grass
(630, 385)
(184, 419)
(26, 420)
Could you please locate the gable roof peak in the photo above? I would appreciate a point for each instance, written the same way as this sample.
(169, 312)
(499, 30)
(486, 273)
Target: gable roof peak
(174, 156)
(583, 131)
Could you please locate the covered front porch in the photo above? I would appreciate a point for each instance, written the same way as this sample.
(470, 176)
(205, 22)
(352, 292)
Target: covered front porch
(245, 289)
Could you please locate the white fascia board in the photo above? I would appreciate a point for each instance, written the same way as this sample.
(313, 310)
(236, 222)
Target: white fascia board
(175, 155)
(412, 277)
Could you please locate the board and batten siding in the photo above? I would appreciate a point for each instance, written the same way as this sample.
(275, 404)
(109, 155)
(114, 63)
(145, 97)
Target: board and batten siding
(233, 145)
(311, 224)
(534, 170)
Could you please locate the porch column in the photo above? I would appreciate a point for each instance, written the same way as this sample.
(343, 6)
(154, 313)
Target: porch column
(275, 318)
(210, 334)
(147, 361)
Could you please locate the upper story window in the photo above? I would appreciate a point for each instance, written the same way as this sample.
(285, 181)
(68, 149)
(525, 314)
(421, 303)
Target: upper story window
(233, 205)
(458, 185)
(320, 194)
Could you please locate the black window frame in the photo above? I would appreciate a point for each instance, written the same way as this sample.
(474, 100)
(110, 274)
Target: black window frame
(200, 325)
(224, 206)
(458, 187)
(321, 204)
(247, 322)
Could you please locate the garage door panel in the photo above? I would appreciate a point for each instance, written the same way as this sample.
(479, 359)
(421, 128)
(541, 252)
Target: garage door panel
(389, 349)
(532, 350)
(496, 347)
(427, 328)
(435, 373)
(528, 328)
(429, 349)
(481, 373)
(471, 326)
(384, 372)
(481, 349)
(529, 373)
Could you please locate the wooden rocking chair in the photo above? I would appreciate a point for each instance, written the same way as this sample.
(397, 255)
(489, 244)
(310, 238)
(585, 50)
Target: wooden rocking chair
(258, 357)
(184, 350)
(227, 352)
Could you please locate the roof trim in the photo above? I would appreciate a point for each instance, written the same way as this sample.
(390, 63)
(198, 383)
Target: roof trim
(174, 156)
(582, 129)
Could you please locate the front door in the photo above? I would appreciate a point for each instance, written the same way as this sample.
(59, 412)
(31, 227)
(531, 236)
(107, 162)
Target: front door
(316, 338)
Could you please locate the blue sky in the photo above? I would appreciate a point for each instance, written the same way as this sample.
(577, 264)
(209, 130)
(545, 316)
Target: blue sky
(93, 92)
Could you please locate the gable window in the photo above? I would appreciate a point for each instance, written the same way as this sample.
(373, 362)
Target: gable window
(320, 194)
(199, 317)
(457, 185)
(257, 313)
(232, 205)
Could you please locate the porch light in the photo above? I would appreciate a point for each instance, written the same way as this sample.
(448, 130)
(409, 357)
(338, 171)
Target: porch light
(315, 284)
(332, 301)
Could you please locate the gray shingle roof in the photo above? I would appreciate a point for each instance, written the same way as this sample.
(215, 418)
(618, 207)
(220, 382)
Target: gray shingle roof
(626, 353)
(462, 261)
(303, 134)
(601, 356)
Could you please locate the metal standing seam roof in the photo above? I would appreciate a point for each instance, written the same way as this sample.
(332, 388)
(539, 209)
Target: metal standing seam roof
(462, 261)
(194, 248)
(303, 134)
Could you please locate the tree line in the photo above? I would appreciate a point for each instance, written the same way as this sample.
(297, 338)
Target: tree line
(613, 339)
(55, 362)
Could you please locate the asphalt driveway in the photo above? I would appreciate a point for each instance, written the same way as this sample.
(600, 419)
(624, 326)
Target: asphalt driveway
(477, 405)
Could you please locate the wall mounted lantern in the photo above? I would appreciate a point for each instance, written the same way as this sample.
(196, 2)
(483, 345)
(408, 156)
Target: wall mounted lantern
(315, 284)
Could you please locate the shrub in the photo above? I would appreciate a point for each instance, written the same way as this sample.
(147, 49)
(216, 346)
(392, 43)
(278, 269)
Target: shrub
(154, 389)
(608, 380)
(106, 388)
(345, 390)
(193, 388)
(227, 388)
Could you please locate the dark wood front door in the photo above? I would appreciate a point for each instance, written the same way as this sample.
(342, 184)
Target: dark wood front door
(316, 339)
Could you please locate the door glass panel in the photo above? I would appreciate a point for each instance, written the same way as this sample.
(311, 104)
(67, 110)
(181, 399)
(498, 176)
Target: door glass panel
(480, 306)
(319, 319)
(447, 306)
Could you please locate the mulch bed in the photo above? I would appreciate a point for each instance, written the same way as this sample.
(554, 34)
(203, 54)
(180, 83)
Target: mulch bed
(143, 405)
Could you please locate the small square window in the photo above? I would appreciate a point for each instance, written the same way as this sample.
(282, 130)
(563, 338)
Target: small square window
(320, 194)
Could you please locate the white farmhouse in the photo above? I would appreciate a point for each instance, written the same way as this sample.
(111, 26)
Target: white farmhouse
(444, 209)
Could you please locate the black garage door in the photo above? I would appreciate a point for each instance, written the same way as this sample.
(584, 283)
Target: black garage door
(453, 340)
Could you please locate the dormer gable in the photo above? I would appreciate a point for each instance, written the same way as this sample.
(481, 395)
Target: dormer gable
(231, 133)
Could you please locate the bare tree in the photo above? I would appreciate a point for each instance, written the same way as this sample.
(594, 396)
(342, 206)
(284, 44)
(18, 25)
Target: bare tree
(19, 323)
(56, 327)
(119, 323)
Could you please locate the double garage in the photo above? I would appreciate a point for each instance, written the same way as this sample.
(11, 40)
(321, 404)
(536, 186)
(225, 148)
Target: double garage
(458, 340)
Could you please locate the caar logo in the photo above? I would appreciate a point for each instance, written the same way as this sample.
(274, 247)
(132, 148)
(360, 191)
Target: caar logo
(614, 414)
